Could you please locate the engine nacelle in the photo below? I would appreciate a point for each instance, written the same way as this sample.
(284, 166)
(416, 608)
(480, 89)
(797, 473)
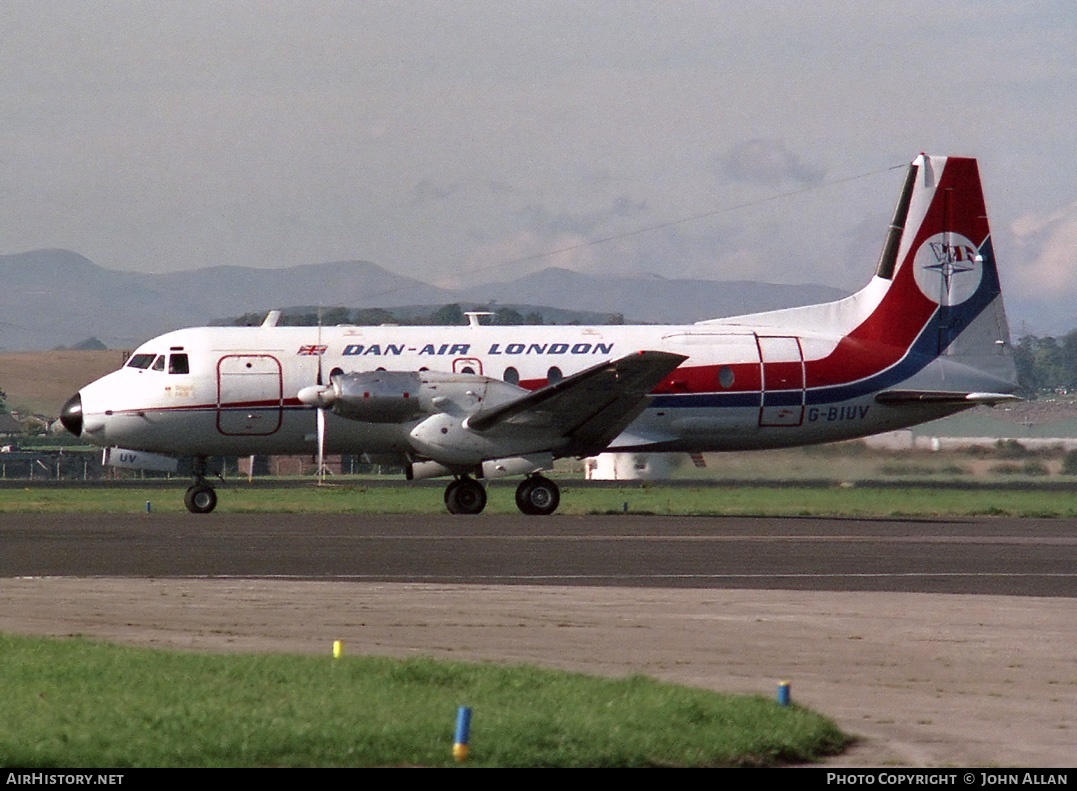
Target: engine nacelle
(377, 396)
(445, 438)
(404, 396)
(495, 468)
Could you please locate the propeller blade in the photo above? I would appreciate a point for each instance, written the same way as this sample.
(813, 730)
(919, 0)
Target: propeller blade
(321, 446)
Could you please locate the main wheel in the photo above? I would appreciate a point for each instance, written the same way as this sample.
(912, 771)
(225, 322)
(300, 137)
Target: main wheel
(200, 498)
(465, 496)
(537, 496)
(453, 485)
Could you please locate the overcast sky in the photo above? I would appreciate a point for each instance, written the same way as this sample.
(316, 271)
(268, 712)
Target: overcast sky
(460, 142)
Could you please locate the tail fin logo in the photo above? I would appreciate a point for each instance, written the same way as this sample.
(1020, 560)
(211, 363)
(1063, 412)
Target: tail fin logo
(948, 268)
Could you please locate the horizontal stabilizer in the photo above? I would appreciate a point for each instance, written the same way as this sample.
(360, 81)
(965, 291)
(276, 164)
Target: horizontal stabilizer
(943, 397)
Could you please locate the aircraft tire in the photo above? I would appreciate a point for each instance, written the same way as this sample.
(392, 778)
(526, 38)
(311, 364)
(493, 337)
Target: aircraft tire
(523, 495)
(465, 496)
(200, 499)
(537, 496)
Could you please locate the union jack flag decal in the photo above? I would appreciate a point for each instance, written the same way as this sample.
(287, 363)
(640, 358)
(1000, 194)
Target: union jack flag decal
(312, 350)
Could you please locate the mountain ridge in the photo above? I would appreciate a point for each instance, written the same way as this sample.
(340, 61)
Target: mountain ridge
(56, 297)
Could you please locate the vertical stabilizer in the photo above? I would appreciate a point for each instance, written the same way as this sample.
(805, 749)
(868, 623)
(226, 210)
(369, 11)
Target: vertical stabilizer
(944, 298)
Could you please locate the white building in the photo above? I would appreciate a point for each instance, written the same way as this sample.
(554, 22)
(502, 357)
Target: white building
(630, 466)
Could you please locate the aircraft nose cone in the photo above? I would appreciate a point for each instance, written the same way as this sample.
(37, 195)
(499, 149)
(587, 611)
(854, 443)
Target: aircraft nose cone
(71, 415)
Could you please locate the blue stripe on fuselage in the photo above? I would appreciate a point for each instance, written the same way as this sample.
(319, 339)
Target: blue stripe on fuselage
(923, 351)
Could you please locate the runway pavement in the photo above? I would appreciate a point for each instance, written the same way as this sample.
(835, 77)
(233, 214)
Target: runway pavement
(1027, 557)
(847, 609)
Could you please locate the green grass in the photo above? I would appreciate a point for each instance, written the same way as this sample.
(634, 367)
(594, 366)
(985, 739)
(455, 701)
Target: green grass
(577, 499)
(76, 703)
(850, 500)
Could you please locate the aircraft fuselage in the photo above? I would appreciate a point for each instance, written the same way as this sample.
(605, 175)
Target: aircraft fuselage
(235, 394)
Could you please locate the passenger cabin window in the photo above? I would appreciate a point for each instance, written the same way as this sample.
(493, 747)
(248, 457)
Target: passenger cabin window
(512, 376)
(142, 361)
(554, 375)
(159, 363)
(178, 364)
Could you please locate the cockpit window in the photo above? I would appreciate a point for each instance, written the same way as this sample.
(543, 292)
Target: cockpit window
(159, 363)
(178, 364)
(141, 361)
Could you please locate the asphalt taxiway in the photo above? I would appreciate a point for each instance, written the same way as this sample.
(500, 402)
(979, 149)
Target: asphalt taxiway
(1028, 557)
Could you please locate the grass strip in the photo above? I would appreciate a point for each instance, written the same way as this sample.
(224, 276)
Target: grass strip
(78, 703)
(652, 498)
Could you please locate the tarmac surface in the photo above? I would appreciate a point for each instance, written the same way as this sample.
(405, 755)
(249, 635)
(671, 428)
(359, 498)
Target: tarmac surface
(938, 643)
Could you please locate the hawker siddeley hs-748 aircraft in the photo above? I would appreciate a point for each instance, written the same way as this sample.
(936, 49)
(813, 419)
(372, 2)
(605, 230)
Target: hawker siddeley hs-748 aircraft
(926, 338)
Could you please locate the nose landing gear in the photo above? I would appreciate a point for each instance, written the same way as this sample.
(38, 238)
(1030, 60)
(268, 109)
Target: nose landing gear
(201, 498)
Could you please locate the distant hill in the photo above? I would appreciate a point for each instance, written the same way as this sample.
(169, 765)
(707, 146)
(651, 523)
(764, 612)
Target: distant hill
(88, 345)
(652, 299)
(55, 298)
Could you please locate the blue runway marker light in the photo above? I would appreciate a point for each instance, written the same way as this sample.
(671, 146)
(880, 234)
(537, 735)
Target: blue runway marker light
(463, 733)
(783, 693)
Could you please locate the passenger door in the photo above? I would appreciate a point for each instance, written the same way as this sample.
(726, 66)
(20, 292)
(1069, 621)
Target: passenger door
(250, 391)
(783, 380)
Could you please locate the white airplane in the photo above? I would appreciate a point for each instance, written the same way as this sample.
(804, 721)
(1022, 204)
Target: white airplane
(926, 338)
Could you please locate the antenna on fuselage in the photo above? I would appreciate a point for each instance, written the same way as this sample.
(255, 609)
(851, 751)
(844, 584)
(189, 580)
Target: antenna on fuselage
(474, 316)
(271, 319)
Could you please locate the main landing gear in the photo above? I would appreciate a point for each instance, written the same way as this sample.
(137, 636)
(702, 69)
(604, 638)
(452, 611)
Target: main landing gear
(535, 496)
(465, 495)
(201, 498)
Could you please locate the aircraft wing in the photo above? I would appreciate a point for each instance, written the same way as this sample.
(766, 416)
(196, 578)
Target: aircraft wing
(588, 409)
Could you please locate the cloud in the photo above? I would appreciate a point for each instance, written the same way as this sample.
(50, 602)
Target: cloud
(515, 255)
(426, 191)
(430, 191)
(1046, 246)
(556, 224)
(767, 162)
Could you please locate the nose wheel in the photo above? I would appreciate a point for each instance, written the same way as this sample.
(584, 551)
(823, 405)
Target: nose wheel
(201, 498)
(465, 496)
(537, 496)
